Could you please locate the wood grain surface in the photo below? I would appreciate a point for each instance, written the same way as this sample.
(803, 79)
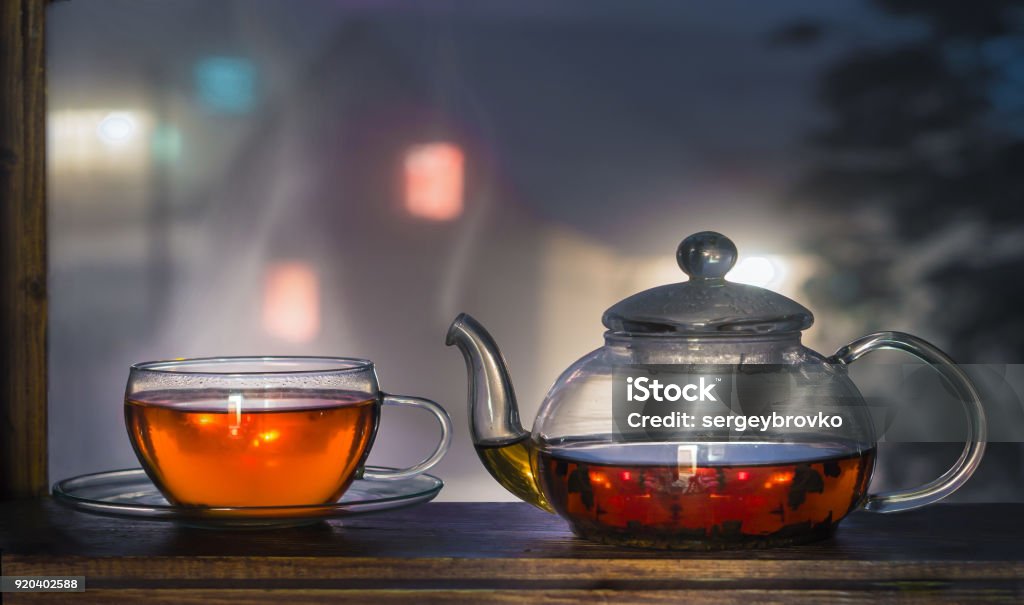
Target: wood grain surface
(22, 249)
(454, 552)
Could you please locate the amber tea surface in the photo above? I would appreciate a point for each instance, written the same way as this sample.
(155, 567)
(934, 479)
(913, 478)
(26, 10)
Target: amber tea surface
(217, 448)
(707, 495)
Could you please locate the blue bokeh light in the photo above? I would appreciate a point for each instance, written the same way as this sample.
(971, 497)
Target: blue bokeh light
(226, 84)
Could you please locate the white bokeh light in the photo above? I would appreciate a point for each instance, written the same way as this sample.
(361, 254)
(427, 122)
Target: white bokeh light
(116, 127)
(757, 271)
(86, 141)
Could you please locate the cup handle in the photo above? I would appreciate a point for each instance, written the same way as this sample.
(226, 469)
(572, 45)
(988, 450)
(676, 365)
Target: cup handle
(974, 448)
(442, 447)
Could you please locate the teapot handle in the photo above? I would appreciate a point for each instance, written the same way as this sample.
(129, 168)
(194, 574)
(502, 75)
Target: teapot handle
(974, 448)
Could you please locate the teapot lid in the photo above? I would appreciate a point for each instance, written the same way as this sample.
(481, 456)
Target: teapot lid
(707, 303)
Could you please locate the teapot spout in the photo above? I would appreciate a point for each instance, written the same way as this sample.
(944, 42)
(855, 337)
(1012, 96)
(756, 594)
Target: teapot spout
(493, 413)
(501, 442)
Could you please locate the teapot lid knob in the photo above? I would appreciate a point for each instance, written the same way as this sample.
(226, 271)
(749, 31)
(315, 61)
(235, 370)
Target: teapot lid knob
(706, 255)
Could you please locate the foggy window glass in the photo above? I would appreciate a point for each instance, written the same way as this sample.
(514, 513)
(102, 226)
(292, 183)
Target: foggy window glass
(266, 177)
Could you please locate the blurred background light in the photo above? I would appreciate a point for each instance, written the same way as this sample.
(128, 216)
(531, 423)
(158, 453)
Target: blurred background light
(166, 143)
(291, 301)
(758, 271)
(226, 84)
(98, 140)
(116, 127)
(434, 181)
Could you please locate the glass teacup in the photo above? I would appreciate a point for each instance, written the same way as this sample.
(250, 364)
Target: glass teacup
(261, 431)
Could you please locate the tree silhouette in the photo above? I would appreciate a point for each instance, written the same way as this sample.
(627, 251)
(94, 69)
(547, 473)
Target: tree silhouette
(919, 175)
(918, 183)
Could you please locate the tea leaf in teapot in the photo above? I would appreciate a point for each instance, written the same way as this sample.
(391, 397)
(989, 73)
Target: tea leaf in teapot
(805, 479)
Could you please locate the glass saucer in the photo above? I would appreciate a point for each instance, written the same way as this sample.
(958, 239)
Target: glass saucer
(130, 493)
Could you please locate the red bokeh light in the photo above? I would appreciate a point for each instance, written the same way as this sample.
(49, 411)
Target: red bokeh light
(434, 181)
(291, 301)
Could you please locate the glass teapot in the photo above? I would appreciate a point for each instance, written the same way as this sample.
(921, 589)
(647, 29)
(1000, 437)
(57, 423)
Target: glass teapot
(703, 422)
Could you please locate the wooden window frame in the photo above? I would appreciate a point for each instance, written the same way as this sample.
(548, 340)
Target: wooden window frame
(23, 278)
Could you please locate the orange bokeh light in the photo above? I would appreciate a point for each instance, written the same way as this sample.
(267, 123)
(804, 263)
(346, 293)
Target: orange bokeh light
(434, 181)
(782, 477)
(291, 301)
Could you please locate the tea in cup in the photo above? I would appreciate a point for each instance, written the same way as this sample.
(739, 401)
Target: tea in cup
(261, 431)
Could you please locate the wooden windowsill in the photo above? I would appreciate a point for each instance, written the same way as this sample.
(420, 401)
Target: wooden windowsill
(471, 552)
